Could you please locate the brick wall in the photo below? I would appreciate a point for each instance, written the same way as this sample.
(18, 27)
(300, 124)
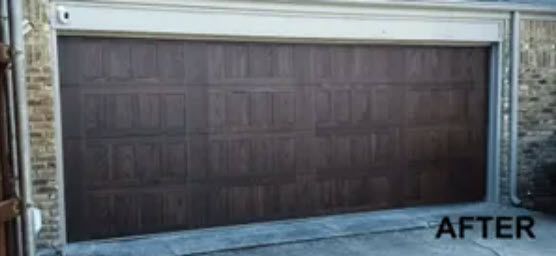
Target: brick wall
(40, 99)
(537, 116)
(537, 119)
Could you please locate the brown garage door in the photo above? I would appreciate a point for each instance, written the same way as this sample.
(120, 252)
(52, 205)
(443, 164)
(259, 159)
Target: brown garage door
(166, 135)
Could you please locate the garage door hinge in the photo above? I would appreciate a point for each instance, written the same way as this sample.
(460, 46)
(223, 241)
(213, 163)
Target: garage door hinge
(4, 55)
(10, 209)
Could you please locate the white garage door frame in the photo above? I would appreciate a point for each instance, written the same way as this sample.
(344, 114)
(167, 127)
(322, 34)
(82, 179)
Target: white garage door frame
(317, 21)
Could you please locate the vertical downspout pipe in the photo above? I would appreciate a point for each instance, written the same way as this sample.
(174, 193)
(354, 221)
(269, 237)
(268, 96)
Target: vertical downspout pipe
(18, 75)
(12, 119)
(514, 107)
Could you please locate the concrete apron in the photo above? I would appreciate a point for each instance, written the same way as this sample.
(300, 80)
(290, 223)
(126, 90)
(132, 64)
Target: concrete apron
(202, 241)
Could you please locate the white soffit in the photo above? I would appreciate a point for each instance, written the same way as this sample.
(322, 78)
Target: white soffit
(278, 20)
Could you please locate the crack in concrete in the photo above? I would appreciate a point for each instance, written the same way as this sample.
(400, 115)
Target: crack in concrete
(169, 247)
(485, 247)
(265, 245)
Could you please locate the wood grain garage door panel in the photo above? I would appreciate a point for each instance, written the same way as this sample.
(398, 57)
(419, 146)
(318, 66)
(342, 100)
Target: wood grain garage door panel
(166, 135)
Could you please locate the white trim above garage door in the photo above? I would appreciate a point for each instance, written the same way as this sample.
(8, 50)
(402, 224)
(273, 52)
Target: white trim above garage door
(279, 20)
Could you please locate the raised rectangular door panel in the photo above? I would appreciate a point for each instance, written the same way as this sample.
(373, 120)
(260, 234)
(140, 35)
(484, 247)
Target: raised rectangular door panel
(166, 135)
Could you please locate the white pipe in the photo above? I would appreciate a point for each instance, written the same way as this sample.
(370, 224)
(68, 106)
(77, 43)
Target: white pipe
(18, 71)
(514, 108)
(12, 126)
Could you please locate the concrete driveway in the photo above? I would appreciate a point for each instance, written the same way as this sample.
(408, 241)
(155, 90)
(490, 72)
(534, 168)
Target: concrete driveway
(391, 232)
(414, 242)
